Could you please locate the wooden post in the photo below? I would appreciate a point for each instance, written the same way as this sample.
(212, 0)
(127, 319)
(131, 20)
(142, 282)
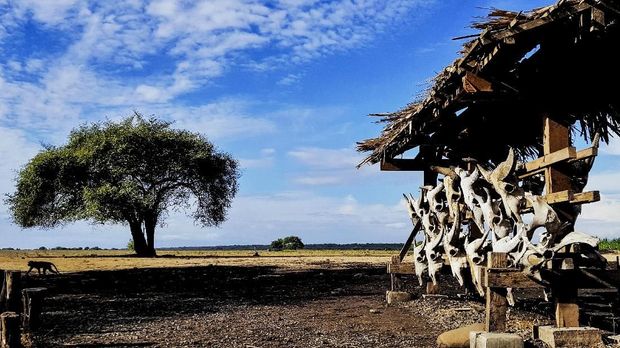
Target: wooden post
(496, 302)
(395, 281)
(33, 306)
(11, 336)
(2, 291)
(556, 137)
(13, 280)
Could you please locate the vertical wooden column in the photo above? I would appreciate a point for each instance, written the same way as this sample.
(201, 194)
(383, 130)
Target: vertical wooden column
(2, 291)
(496, 302)
(555, 137)
(13, 280)
(395, 281)
(10, 335)
(33, 306)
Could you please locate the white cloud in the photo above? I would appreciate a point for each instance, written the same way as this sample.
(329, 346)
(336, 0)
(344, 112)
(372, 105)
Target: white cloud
(318, 180)
(324, 158)
(289, 79)
(265, 160)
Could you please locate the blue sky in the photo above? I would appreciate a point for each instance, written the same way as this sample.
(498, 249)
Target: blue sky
(283, 85)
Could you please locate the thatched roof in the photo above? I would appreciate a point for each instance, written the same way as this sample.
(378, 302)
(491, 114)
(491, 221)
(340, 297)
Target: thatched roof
(559, 61)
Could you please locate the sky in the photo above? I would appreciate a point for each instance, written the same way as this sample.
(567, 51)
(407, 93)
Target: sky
(282, 85)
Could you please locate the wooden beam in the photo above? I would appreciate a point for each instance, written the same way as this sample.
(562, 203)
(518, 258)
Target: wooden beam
(554, 157)
(509, 278)
(586, 197)
(409, 242)
(396, 164)
(400, 268)
(473, 83)
(585, 153)
(558, 197)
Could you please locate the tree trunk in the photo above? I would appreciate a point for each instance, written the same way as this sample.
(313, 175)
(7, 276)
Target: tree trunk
(139, 243)
(149, 227)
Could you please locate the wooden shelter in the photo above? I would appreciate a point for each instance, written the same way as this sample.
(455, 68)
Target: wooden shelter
(556, 62)
(531, 81)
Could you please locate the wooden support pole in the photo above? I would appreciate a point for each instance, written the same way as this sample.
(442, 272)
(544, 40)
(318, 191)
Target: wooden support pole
(496, 301)
(566, 307)
(395, 281)
(2, 291)
(556, 137)
(409, 242)
(13, 280)
(11, 335)
(33, 306)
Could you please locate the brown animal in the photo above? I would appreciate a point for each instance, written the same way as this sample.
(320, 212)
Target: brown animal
(42, 265)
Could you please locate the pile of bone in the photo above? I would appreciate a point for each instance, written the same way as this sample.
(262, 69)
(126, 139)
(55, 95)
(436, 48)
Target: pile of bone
(476, 211)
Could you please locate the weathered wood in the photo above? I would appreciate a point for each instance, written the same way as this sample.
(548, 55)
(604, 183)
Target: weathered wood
(400, 268)
(586, 197)
(11, 335)
(13, 281)
(509, 278)
(33, 306)
(585, 153)
(556, 136)
(496, 302)
(559, 196)
(409, 242)
(432, 289)
(2, 291)
(554, 157)
(566, 308)
(473, 83)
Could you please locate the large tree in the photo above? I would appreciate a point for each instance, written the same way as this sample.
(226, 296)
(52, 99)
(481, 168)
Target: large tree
(132, 172)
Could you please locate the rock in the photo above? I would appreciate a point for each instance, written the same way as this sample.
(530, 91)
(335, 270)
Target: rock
(397, 297)
(374, 311)
(570, 336)
(458, 338)
(494, 340)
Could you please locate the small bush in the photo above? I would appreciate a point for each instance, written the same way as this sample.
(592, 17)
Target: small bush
(609, 244)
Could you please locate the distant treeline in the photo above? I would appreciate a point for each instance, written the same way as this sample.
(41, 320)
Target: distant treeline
(324, 246)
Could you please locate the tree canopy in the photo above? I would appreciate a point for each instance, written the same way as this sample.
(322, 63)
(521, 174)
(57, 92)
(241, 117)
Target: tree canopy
(287, 243)
(133, 172)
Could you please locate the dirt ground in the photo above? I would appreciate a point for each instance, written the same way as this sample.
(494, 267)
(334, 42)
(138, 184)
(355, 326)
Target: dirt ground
(323, 304)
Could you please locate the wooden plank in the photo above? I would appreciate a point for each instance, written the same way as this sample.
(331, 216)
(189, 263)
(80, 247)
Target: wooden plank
(586, 197)
(496, 301)
(409, 242)
(556, 136)
(396, 164)
(473, 83)
(509, 278)
(554, 157)
(400, 268)
(585, 153)
(556, 181)
(557, 197)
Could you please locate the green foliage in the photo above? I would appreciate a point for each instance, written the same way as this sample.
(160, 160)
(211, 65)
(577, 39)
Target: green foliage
(131, 172)
(287, 243)
(131, 246)
(609, 244)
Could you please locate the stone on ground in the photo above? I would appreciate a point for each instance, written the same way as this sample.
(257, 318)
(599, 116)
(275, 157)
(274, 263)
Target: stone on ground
(494, 340)
(458, 338)
(397, 297)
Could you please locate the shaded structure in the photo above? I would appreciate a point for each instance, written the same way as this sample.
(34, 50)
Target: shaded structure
(499, 125)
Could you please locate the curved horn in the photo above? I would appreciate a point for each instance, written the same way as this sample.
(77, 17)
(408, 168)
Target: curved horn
(505, 168)
(446, 171)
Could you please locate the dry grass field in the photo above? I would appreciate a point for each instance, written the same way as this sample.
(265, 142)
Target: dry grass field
(88, 260)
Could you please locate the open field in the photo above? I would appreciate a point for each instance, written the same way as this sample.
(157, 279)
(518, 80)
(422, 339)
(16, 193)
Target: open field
(232, 299)
(86, 260)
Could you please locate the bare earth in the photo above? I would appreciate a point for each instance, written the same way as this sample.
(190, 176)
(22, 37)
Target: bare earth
(326, 299)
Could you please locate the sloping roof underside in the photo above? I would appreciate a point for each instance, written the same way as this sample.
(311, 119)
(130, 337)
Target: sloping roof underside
(560, 61)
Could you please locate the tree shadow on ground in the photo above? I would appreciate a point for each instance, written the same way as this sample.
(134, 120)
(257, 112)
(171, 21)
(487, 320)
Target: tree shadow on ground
(97, 302)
